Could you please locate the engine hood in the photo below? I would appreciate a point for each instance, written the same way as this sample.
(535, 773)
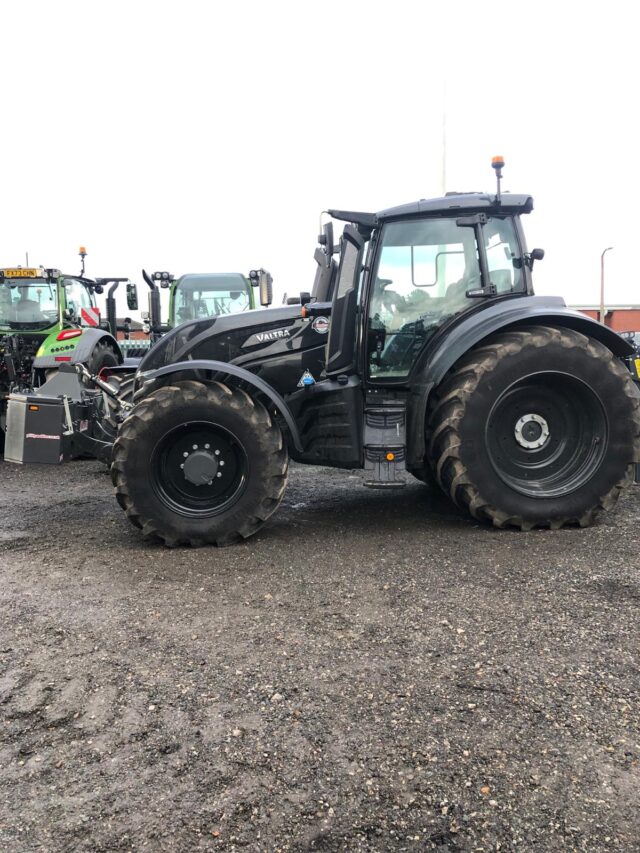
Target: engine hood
(238, 338)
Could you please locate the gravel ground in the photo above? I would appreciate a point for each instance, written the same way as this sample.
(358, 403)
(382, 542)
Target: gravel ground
(372, 671)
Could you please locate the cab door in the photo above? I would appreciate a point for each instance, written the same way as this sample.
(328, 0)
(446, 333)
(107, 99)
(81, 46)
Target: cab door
(330, 412)
(343, 332)
(80, 303)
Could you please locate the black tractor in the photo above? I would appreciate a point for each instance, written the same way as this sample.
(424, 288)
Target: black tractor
(421, 349)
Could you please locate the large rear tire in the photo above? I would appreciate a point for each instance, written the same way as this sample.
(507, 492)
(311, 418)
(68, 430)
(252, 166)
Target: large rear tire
(199, 464)
(538, 427)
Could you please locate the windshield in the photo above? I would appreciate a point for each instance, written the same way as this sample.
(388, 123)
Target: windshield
(425, 269)
(32, 305)
(200, 296)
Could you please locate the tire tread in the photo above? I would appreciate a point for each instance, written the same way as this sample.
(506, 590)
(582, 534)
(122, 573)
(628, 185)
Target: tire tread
(449, 409)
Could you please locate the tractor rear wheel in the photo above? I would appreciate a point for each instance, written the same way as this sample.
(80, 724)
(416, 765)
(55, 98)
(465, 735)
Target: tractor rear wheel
(537, 427)
(199, 464)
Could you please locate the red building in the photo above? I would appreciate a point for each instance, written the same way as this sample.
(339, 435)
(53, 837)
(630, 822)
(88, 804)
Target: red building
(620, 318)
(135, 330)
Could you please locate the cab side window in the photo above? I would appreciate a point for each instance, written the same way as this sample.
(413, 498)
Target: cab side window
(503, 255)
(425, 268)
(77, 296)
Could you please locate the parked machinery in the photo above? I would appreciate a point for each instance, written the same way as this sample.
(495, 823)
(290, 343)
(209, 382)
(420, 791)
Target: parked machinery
(423, 349)
(49, 319)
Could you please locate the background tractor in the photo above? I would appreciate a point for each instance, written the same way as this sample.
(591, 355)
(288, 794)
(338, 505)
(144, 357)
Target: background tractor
(191, 296)
(423, 349)
(48, 319)
(59, 417)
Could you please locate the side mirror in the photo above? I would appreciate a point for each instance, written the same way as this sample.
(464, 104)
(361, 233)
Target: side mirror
(264, 281)
(132, 296)
(326, 239)
(535, 255)
(266, 288)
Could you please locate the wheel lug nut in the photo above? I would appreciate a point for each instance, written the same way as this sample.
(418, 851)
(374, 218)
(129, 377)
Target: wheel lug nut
(222, 462)
(195, 446)
(207, 446)
(218, 474)
(185, 455)
(217, 452)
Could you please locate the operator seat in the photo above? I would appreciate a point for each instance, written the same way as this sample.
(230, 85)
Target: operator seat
(185, 313)
(28, 311)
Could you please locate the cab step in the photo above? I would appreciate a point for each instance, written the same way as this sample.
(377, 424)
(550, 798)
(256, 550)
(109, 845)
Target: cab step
(384, 447)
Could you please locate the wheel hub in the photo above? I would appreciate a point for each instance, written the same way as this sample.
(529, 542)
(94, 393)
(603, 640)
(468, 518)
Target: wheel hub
(546, 434)
(201, 466)
(531, 431)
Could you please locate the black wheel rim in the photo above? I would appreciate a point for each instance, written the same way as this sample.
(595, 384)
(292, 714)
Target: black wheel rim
(199, 469)
(547, 434)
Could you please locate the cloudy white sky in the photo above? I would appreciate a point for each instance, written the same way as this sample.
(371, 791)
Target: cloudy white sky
(208, 136)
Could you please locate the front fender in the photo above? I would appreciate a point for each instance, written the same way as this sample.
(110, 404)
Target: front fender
(222, 369)
(501, 316)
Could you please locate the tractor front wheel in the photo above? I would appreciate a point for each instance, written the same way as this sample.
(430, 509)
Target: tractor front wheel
(537, 427)
(199, 464)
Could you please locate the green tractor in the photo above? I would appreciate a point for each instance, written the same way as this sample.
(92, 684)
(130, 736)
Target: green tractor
(49, 319)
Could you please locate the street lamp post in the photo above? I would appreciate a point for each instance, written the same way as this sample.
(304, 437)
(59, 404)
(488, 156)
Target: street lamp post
(608, 249)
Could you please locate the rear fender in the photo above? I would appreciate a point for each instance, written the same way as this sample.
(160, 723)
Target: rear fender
(230, 373)
(499, 317)
(78, 350)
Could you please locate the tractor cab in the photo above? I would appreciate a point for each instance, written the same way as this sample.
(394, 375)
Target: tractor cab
(412, 271)
(37, 299)
(202, 295)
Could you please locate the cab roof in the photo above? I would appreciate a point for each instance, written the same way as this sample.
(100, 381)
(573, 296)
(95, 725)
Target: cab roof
(450, 203)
